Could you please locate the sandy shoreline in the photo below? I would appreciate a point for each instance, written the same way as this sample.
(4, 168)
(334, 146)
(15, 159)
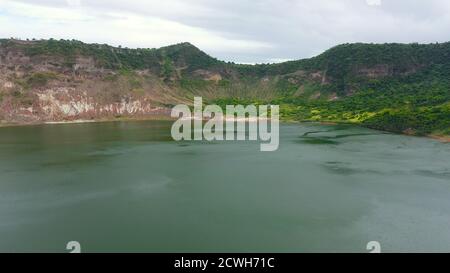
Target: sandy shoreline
(444, 139)
(81, 121)
(250, 119)
(70, 121)
(159, 117)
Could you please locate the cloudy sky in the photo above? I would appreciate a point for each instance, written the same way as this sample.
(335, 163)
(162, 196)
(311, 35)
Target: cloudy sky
(246, 31)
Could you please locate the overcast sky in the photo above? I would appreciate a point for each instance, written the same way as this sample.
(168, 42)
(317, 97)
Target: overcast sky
(246, 31)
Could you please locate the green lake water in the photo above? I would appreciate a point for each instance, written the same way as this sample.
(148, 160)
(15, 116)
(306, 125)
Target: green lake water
(126, 186)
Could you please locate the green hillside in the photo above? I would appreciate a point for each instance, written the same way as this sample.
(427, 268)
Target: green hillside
(394, 87)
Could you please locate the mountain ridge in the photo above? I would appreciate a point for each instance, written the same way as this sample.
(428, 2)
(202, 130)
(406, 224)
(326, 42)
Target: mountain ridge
(394, 87)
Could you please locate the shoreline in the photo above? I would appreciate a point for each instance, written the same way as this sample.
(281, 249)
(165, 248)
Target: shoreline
(143, 118)
(440, 138)
(70, 121)
(82, 121)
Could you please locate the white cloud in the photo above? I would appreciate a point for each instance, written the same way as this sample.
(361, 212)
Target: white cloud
(125, 28)
(239, 30)
(373, 2)
(17, 10)
(74, 3)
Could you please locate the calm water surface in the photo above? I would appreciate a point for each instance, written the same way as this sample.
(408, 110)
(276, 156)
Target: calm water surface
(125, 186)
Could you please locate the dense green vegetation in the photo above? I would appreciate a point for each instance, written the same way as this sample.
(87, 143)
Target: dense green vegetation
(415, 105)
(106, 56)
(394, 87)
(412, 96)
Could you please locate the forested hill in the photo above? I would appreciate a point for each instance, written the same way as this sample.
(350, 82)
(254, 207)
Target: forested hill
(394, 87)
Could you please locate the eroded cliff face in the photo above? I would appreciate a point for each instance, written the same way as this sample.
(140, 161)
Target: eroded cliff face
(61, 102)
(45, 88)
(69, 103)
